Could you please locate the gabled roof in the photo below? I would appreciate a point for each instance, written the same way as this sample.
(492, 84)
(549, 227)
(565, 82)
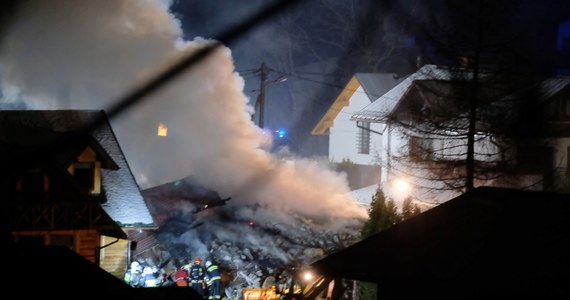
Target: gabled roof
(552, 86)
(373, 84)
(26, 142)
(488, 241)
(125, 203)
(341, 101)
(379, 110)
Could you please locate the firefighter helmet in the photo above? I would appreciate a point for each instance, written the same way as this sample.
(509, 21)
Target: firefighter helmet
(136, 267)
(197, 260)
(147, 270)
(208, 263)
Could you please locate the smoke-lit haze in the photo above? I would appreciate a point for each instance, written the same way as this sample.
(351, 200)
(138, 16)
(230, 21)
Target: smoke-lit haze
(71, 54)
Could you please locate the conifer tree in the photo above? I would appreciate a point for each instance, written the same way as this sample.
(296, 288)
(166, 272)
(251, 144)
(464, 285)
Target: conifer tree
(383, 213)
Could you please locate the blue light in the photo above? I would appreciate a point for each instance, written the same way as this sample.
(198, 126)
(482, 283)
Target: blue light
(281, 133)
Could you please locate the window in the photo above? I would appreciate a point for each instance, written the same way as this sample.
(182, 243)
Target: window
(87, 171)
(33, 186)
(88, 176)
(363, 137)
(85, 174)
(61, 240)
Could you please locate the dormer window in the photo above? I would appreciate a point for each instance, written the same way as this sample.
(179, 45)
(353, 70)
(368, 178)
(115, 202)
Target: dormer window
(84, 173)
(87, 171)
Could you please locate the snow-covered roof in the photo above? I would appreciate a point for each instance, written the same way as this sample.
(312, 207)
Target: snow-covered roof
(379, 110)
(551, 86)
(125, 204)
(364, 195)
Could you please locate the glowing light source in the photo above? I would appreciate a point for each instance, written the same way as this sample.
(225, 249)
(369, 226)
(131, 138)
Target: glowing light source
(402, 185)
(162, 130)
(307, 275)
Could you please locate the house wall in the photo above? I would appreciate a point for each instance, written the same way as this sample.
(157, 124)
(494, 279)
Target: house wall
(84, 242)
(396, 144)
(561, 167)
(344, 134)
(114, 256)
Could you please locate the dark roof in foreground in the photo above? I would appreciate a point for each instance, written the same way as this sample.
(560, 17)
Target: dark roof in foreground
(56, 271)
(491, 241)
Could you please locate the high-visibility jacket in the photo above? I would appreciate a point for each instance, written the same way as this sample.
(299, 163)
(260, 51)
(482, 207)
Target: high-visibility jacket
(196, 273)
(213, 273)
(214, 282)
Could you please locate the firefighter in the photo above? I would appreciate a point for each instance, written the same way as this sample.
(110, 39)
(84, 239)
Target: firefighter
(149, 278)
(196, 275)
(133, 276)
(181, 277)
(213, 281)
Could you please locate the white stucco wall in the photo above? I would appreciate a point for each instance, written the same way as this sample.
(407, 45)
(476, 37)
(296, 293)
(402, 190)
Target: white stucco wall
(343, 135)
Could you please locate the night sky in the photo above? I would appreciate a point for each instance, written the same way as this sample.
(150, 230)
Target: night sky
(89, 55)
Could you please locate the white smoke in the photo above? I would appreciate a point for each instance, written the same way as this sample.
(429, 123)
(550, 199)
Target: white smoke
(71, 54)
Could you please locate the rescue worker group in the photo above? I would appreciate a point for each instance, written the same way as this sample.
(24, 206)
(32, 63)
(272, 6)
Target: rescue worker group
(204, 279)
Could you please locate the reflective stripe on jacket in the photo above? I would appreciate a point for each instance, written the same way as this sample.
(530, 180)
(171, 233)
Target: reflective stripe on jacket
(196, 273)
(213, 273)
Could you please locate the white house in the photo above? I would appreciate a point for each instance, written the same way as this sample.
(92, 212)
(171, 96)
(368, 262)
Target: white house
(542, 157)
(361, 144)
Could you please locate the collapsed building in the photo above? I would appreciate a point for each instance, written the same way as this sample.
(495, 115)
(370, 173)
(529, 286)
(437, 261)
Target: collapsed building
(252, 253)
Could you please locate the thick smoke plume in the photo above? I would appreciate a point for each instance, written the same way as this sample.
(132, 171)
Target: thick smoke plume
(71, 54)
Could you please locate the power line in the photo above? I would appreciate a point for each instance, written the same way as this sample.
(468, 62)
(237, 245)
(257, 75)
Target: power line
(315, 81)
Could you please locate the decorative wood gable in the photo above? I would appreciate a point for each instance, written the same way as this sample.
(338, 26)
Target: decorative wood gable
(51, 181)
(33, 134)
(86, 167)
(326, 122)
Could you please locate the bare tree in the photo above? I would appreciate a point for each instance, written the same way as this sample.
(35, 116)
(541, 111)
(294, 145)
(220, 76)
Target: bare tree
(463, 122)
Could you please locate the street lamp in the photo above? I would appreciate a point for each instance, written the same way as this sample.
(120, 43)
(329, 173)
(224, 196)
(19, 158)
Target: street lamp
(402, 185)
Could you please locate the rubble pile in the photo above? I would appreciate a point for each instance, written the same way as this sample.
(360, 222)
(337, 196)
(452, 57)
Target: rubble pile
(248, 249)
(260, 252)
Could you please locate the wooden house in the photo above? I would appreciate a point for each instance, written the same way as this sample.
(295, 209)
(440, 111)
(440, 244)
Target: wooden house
(65, 182)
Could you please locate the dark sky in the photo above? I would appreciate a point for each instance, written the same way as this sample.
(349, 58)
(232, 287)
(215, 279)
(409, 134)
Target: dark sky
(306, 43)
(318, 45)
(88, 54)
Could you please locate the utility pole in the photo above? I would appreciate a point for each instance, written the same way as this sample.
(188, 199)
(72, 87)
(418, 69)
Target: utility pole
(260, 103)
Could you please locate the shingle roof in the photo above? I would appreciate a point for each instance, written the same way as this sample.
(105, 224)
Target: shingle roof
(125, 203)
